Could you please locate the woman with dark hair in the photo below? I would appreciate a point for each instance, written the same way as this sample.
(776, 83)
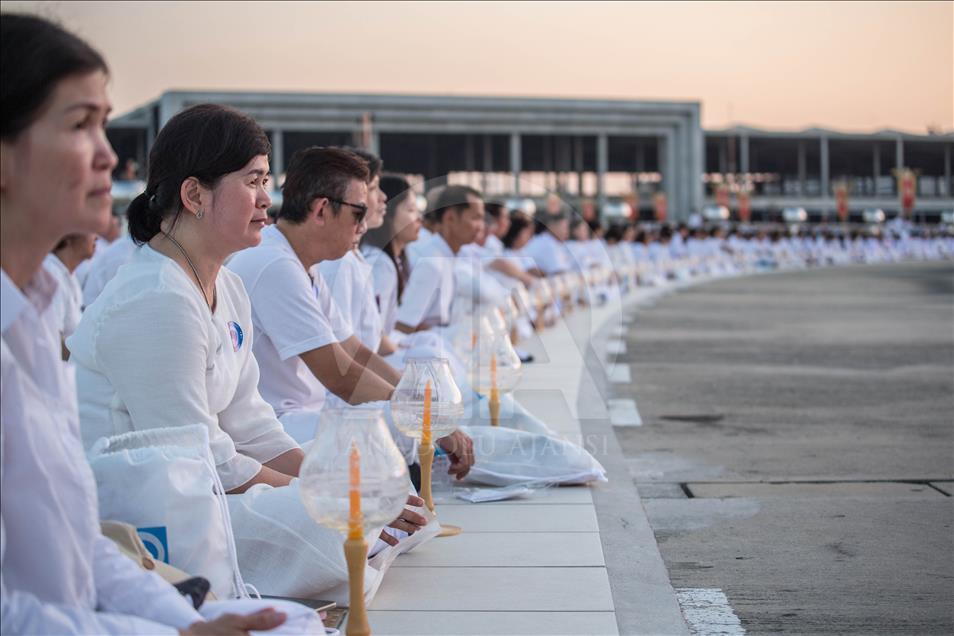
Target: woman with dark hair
(205, 199)
(384, 245)
(60, 575)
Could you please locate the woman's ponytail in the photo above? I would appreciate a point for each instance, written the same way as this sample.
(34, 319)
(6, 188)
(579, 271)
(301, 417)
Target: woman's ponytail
(144, 221)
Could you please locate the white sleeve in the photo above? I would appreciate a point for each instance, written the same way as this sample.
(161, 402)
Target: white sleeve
(287, 308)
(420, 293)
(340, 324)
(336, 297)
(250, 421)
(23, 613)
(154, 351)
(385, 290)
(123, 587)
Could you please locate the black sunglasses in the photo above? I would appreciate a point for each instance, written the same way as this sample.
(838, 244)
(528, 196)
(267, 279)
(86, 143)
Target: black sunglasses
(360, 212)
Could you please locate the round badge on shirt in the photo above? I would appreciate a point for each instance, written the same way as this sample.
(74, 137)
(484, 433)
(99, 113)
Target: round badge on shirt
(238, 336)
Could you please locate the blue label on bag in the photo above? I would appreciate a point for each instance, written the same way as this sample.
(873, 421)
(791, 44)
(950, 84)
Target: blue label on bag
(156, 542)
(238, 337)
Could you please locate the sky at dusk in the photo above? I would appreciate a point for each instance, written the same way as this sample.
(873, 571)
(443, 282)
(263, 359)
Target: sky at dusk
(858, 66)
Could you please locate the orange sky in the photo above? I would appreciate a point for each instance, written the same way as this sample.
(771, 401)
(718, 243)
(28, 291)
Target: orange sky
(845, 65)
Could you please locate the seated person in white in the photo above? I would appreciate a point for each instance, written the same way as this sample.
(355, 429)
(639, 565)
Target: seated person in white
(169, 341)
(302, 344)
(104, 267)
(425, 302)
(350, 277)
(60, 575)
(103, 240)
(62, 263)
(548, 248)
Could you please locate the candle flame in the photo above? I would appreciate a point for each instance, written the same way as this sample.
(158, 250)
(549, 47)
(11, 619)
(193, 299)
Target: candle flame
(354, 494)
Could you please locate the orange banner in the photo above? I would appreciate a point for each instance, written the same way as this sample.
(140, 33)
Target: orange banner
(907, 190)
(745, 206)
(841, 200)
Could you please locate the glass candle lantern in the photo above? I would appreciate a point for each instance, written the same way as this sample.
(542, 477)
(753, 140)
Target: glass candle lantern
(427, 405)
(354, 480)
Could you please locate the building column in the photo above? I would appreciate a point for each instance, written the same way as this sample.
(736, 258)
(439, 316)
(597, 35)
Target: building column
(278, 154)
(744, 154)
(515, 161)
(898, 157)
(802, 169)
(488, 160)
(948, 186)
(824, 176)
(578, 163)
(602, 166)
(876, 166)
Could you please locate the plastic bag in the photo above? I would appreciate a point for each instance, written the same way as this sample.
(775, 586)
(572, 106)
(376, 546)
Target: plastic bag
(505, 456)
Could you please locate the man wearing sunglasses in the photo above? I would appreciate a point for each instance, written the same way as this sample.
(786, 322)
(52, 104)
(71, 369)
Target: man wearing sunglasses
(302, 343)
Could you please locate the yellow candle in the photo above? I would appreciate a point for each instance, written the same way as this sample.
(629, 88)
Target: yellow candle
(493, 371)
(355, 530)
(426, 424)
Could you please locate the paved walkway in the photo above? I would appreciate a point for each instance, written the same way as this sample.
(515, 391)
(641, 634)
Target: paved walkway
(554, 563)
(797, 446)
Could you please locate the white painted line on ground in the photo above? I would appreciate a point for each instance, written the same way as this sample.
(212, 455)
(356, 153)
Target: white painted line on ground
(615, 347)
(619, 374)
(624, 413)
(707, 611)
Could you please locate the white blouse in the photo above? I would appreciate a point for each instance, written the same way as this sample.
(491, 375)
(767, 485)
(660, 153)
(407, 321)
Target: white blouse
(67, 305)
(150, 354)
(352, 287)
(60, 575)
(385, 282)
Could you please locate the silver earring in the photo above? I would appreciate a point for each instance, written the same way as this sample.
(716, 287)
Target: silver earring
(199, 214)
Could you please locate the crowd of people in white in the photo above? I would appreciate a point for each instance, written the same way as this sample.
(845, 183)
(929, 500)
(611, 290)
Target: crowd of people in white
(214, 309)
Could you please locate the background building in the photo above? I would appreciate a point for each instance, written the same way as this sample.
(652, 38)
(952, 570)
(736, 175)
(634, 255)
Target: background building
(607, 150)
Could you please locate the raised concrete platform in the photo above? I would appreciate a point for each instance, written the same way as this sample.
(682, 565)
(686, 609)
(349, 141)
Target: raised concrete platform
(573, 560)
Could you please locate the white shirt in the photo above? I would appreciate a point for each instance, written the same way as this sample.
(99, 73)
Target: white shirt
(352, 289)
(59, 575)
(430, 289)
(67, 305)
(413, 249)
(550, 255)
(493, 246)
(291, 314)
(104, 266)
(150, 354)
(385, 282)
(82, 270)
(474, 281)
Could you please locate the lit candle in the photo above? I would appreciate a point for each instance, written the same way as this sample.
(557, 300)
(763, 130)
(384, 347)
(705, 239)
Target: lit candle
(355, 530)
(426, 423)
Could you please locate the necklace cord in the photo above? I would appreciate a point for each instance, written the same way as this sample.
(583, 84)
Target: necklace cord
(195, 272)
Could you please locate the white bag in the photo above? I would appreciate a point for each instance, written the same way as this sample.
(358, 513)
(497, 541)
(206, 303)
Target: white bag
(505, 456)
(163, 481)
(283, 551)
(300, 619)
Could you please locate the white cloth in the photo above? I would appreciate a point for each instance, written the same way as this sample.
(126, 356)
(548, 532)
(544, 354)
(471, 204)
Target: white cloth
(352, 288)
(385, 283)
(291, 315)
(82, 270)
(149, 354)
(66, 308)
(430, 289)
(104, 266)
(59, 575)
(550, 255)
(413, 249)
